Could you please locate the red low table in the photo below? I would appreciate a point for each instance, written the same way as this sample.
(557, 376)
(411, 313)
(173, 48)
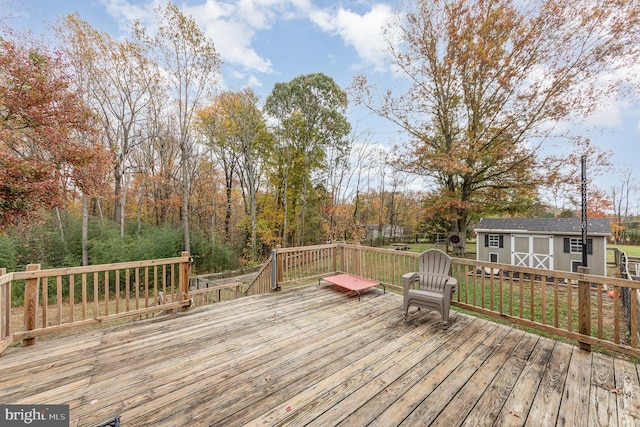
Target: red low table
(353, 283)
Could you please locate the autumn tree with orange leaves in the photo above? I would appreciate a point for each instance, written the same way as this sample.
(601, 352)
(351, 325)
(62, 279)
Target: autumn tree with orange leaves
(489, 79)
(47, 145)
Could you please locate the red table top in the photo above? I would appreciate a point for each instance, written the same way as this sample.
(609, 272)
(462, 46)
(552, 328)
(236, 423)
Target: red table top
(353, 283)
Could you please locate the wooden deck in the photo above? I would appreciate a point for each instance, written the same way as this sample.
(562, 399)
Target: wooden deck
(316, 355)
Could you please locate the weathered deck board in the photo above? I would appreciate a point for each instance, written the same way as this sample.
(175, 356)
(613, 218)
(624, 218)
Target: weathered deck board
(317, 356)
(575, 398)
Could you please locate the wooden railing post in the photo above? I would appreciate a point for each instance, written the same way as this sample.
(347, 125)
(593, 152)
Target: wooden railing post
(31, 304)
(356, 263)
(584, 308)
(334, 260)
(276, 268)
(183, 281)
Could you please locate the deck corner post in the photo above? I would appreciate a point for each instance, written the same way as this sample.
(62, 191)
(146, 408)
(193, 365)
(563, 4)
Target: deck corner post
(31, 304)
(185, 269)
(584, 308)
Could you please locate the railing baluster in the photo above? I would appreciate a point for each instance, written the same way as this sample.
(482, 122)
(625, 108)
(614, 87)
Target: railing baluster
(45, 300)
(84, 296)
(501, 297)
(532, 298)
(117, 290)
(106, 293)
(521, 287)
(146, 287)
(543, 300)
(59, 299)
(511, 294)
(556, 303)
(137, 287)
(127, 284)
(155, 285)
(616, 314)
(164, 280)
(569, 307)
(600, 313)
(96, 309)
(173, 282)
(633, 294)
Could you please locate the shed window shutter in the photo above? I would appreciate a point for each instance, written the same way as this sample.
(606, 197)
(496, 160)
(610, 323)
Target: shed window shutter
(567, 245)
(486, 240)
(590, 246)
(501, 241)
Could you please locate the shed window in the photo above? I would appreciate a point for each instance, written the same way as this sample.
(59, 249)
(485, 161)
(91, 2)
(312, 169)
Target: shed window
(493, 241)
(573, 245)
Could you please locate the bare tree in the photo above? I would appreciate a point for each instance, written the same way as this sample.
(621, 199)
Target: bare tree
(621, 196)
(191, 64)
(122, 81)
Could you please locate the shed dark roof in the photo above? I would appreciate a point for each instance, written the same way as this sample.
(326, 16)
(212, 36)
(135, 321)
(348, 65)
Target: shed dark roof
(595, 226)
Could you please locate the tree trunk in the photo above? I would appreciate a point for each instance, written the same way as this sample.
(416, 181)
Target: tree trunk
(85, 230)
(228, 211)
(185, 199)
(60, 227)
(140, 199)
(117, 194)
(123, 203)
(254, 226)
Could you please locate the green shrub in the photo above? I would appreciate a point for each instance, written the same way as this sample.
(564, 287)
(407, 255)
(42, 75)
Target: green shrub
(7, 253)
(211, 258)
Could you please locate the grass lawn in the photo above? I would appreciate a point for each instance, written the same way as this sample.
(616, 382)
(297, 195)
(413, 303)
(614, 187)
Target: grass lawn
(628, 249)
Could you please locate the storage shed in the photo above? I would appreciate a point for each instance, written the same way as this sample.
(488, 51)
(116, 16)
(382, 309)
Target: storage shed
(549, 243)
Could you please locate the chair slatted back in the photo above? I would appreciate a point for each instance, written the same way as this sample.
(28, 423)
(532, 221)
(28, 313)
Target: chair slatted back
(434, 261)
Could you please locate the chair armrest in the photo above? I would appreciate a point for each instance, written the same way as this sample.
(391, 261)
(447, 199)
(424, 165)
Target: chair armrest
(408, 279)
(451, 284)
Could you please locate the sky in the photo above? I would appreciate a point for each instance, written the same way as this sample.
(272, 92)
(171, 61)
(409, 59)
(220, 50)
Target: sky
(263, 42)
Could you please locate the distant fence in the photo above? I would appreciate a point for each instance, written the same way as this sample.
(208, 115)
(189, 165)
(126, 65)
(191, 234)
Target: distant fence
(629, 269)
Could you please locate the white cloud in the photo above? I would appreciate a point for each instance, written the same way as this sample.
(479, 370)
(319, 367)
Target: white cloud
(365, 33)
(124, 11)
(232, 26)
(608, 114)
(253, 81)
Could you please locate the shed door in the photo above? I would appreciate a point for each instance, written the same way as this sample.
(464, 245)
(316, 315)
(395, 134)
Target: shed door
(532, 251)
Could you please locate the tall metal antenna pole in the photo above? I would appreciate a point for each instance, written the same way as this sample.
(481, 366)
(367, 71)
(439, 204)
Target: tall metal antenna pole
(584, 210)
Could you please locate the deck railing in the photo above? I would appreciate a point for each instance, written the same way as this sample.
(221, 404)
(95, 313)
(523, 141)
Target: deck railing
(65, 298)
(580, 307)
(584, 308)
